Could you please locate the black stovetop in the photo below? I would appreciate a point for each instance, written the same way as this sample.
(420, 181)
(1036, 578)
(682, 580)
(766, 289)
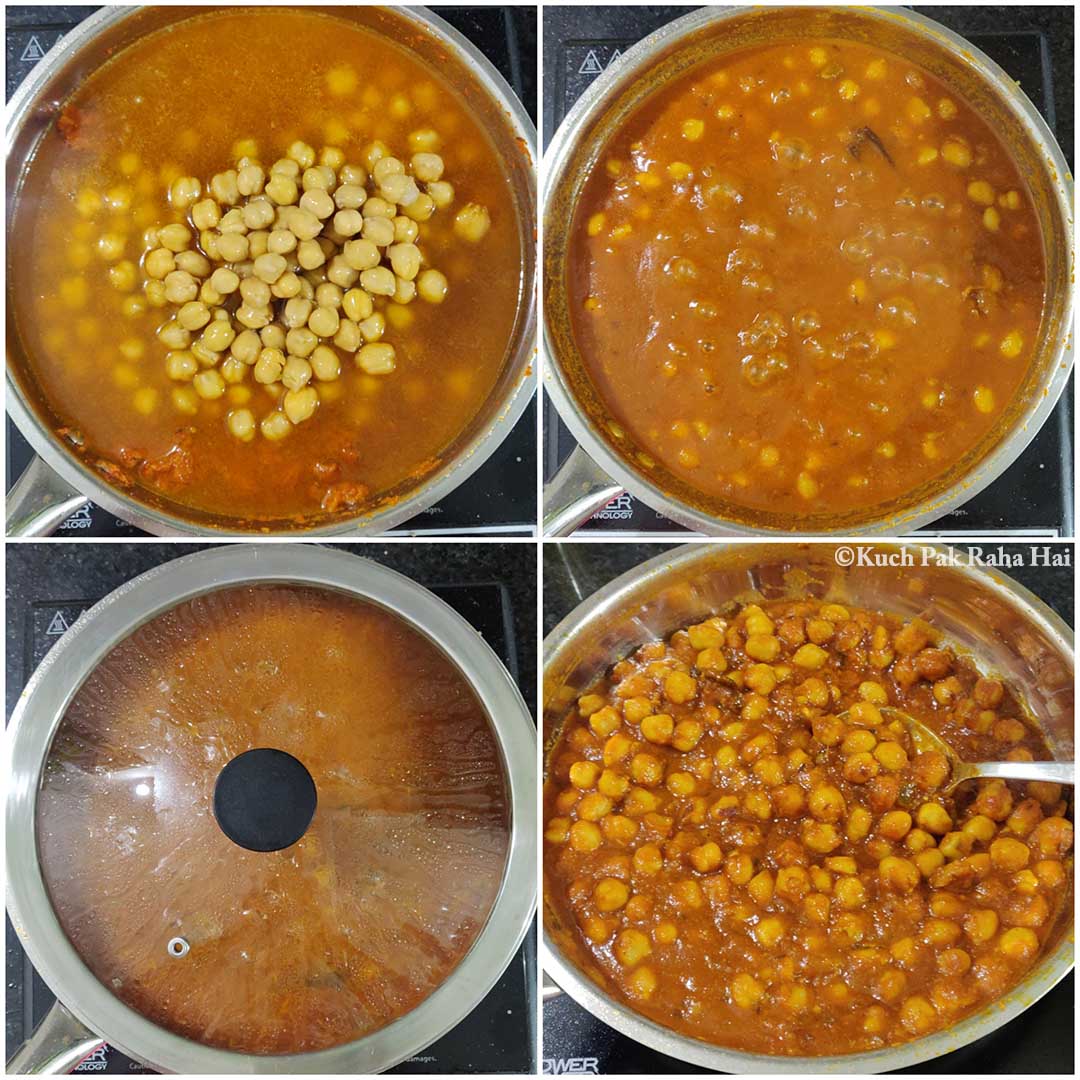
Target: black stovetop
(1038, 1041)
(498, 1036)
(1034, 497)
(500, 497)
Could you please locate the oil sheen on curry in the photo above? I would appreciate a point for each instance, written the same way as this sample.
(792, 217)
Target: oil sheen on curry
(328, 939)
(742, 847)
(250, 265)
(806, 277)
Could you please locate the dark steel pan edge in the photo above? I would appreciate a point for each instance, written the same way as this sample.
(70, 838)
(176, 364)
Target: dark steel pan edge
(625, 599)
(512, 394)
(983, 464)
(41, 707)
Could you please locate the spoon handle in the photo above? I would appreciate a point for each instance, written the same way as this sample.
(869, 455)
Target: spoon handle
(1052, 772)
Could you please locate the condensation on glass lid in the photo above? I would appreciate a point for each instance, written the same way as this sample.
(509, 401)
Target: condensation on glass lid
(318, 942)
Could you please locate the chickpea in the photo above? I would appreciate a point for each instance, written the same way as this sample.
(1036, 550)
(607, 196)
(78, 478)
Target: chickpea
(209, 385)
(269, 366)
(193, 316)
(181, 366)
(895, 825)
(899, 875)
(820, 837)
(769, 931)
(631, 947)
(324, 322)
(175, 238)
(585, 836)
(379, 281)
(441, 193)
(325, 364)
(300, 405)
(241, 424)
(1009, 854)
(706, 858)
(827, 803)
(472, 223)
(123, 276)
(1019, 943)
(372, 329)
(746, 991)
(427, 167)
(934, 818)
(658, 728)
(917, 1015)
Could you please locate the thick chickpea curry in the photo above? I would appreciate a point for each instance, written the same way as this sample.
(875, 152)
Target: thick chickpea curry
(740, 846)
(806, 277)
(249, 276)
(321, 942)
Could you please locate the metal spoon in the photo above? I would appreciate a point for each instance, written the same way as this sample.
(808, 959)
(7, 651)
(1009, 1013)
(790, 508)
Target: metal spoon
(926, 740)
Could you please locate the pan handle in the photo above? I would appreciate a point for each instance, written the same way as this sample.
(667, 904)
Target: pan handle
(58, 1044)
(551, 989)
(575, 493)
(41, 501)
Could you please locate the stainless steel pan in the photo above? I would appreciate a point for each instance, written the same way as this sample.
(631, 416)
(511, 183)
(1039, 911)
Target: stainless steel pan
(57, 482)
(607, 460)
(1010, 631)
(88, 1013)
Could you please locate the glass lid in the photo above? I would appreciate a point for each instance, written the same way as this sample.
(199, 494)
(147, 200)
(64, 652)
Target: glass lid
(274, 819)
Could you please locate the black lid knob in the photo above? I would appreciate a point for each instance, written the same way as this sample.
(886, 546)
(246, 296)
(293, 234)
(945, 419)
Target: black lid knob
(264, 800)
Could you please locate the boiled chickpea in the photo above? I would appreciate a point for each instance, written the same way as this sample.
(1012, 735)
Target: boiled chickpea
(611, 894)
(174, 336)
(300, 405)
(184, 192)
(269, 366)
(341, 273)
(324, 322)
(379, 281)
(225, 281)
(269, 267)
(233, 247)
(159, 263)
(361, 254)
(377, 207)
(233, 371)
(441, 193)
(296, 374)
(218, 336)
(250, 179)
(317, 202)
(376, 359)
(423, 206)
(255, 292)
(123, 276)
(379, 230)
(350, 196)
(181, 366)
(209, 385)
(325, 364)
(241, 423)
(175, 237)
(180, 287)
(406, 230)
(372, 328)
(283, 191)
(193, 316)
(472, 223)
(427, 167)
(275, 426)
(254, 318)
